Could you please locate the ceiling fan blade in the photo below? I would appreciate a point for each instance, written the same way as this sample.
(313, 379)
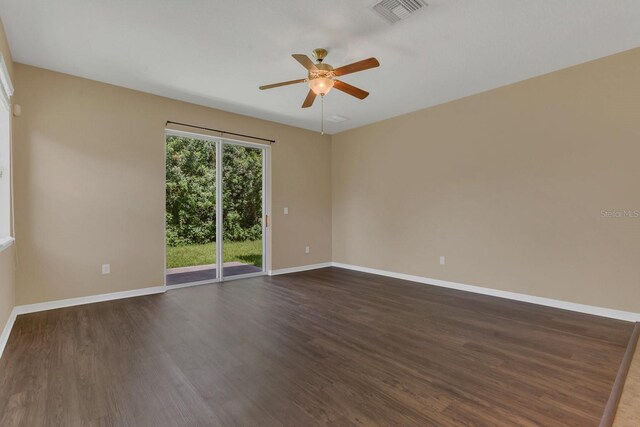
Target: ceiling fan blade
(308, 101)
(305, 61)
(351, 90)
(365, 64)
(290, 82)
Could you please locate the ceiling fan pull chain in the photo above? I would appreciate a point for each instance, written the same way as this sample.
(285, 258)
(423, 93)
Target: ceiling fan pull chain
(322, 114)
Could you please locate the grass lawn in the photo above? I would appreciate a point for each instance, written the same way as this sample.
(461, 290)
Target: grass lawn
(249, 252)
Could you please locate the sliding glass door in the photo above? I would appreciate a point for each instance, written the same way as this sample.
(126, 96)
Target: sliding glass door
(242, 209)
(191, 209)
(214, 210)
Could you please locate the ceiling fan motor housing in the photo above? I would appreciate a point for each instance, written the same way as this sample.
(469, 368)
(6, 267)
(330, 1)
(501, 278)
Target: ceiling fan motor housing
(323, 71)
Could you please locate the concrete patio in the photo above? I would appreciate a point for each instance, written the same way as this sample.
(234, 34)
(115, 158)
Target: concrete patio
(198, 273)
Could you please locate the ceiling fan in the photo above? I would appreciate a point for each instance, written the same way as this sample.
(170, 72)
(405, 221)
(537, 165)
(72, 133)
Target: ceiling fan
(321, 76)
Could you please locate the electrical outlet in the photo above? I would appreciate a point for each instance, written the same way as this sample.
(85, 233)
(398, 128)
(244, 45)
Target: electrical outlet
(442, 260)
(106, 268)
(306, 249)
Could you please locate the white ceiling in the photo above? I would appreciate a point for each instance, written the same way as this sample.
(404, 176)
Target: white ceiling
(217, 53)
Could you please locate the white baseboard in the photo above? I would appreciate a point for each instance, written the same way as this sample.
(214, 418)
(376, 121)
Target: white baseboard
(565, 305)
(4, 337)
(300, 268)
(50, 305)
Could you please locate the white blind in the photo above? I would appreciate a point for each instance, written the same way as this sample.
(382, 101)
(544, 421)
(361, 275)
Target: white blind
(6, 87)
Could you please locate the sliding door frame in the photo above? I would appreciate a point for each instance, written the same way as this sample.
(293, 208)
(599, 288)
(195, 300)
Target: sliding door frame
(266, 149)
(266, 205)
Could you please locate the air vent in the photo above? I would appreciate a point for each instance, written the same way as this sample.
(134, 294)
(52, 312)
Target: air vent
(337, 118)
(396, 10)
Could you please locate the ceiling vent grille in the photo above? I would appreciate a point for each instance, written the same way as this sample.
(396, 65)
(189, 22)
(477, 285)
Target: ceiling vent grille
(337, 118)
(396, 10)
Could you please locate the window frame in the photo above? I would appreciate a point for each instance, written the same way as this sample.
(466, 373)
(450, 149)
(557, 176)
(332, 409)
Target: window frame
(6, 91)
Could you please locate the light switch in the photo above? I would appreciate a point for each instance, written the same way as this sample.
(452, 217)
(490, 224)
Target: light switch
(106, 268)
(286, 211)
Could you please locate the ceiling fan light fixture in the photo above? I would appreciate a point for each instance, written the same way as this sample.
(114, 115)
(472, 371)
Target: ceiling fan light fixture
(321, 76)
(321, 85)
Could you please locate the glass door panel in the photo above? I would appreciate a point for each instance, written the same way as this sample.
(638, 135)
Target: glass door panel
(190, 210)
(242, 209)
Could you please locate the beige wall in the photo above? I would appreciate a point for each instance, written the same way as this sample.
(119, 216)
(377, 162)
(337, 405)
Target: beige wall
(7, 285)
(509, 185)
(90, 185)
(7, 260)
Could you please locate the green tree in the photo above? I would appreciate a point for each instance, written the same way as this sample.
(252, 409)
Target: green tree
(242, 193)
(191, 192)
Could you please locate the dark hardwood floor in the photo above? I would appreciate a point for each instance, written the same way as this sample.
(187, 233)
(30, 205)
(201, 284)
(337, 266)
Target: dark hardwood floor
(325, 347)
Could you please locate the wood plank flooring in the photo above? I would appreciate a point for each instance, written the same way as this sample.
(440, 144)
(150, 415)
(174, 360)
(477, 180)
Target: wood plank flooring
(325, 347)
(628, 414)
